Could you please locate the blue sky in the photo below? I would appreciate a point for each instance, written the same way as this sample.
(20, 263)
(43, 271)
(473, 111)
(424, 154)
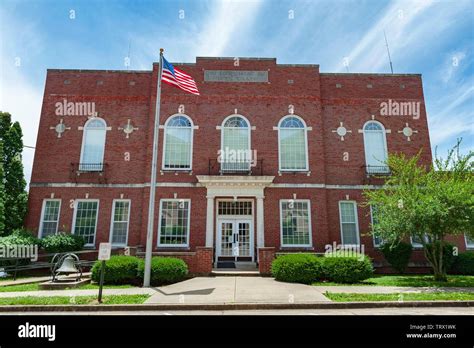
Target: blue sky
(434, 38)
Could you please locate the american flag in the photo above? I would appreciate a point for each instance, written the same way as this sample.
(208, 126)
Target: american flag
(178, 78)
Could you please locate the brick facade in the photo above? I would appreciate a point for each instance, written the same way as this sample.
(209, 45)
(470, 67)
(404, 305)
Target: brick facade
(336, 168)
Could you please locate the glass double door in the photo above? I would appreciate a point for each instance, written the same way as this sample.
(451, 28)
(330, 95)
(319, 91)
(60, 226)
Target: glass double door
(235, 239)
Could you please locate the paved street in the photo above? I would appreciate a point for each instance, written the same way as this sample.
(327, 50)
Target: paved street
(357, 311)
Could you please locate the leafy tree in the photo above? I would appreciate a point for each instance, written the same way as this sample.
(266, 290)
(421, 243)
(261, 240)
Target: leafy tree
(426, 203)
(14, 195)
(2, 193)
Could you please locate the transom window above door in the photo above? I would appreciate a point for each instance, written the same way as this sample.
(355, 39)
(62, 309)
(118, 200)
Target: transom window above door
(235, 208)
(178, 143)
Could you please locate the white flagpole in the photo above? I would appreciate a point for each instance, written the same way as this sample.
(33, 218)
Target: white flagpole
(151, 205)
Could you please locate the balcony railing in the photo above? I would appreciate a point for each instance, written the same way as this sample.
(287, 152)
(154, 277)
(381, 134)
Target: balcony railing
(243, 167)
(90, 167)
(89, 172)
(377, 170)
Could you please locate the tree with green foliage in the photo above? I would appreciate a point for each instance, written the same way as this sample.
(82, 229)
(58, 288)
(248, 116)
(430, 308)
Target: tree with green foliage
(14, 196)
(427, 203)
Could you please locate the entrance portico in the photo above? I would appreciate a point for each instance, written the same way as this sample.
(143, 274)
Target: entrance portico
(235, 236)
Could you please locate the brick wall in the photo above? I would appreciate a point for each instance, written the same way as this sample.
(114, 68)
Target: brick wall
(323, 101)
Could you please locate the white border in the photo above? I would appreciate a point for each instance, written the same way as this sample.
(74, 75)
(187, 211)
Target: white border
(159, 223)
(372, 228)
(469, 246)
(354, 204)
(305, 144)
(164, 144)
(249, 128)
(112, 222)
(309, 224)
(84, 134)
(384, 141)
(76, 204)
(40, 229)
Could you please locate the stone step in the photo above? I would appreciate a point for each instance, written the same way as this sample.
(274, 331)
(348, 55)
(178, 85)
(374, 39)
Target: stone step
(234, 272)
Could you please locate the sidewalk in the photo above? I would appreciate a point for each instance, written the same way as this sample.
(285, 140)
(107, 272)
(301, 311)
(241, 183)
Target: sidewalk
(235, 290)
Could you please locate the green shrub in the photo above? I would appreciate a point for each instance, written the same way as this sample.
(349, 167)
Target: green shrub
(17, 237)
(119, 269)
(165, 270)
(62, 242)
(397, 255)
(297, 268)
(347, 269)
(464, 263)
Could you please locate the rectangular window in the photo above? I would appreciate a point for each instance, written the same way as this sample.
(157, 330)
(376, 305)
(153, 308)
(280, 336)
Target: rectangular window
(417, 243)
(235, 208)
(174, 223)
(349, 223)
(373, 218)
(120, 222)
(50, 217)
(178, 148)
(85, 220)
(293, 150)
(295, 222)
(469, 242)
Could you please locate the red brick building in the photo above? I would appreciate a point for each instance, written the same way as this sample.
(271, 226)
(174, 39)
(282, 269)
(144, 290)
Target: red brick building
(298, 147)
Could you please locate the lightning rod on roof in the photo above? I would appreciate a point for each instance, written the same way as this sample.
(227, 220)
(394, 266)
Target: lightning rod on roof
(388, 52)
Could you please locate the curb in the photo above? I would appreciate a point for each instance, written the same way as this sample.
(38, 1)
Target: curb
(232, 306)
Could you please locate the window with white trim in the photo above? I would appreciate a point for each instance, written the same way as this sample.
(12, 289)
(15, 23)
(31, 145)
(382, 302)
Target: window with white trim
(293, 146)
(235, 144)
(469, 242)
(416, 241)
(120, 222)
(93, 145)
(50, 217)
(85, 220)
(178, 143)
(295, 223)
(375, 146)
(373, 220)
(349, 223)
(173, 229)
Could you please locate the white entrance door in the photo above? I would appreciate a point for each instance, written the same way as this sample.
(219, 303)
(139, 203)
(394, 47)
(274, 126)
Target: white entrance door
(235, 238)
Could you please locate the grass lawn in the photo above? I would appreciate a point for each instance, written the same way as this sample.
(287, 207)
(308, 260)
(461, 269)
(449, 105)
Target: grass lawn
(82, 300)
(411, 280)
(35, 287)
(443, 296)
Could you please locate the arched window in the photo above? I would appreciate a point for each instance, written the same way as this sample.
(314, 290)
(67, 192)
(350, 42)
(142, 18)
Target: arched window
(93, 145)
(235, 144)
(375, 146)
(293, 144)
(178, 142)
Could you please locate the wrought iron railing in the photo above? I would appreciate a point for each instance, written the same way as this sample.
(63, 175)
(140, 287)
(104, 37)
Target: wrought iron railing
(377, 170)
(248, 167)
(90, 167)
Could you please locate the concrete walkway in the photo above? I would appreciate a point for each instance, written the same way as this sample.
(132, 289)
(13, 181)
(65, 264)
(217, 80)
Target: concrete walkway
(223, 290)
(235, 290)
